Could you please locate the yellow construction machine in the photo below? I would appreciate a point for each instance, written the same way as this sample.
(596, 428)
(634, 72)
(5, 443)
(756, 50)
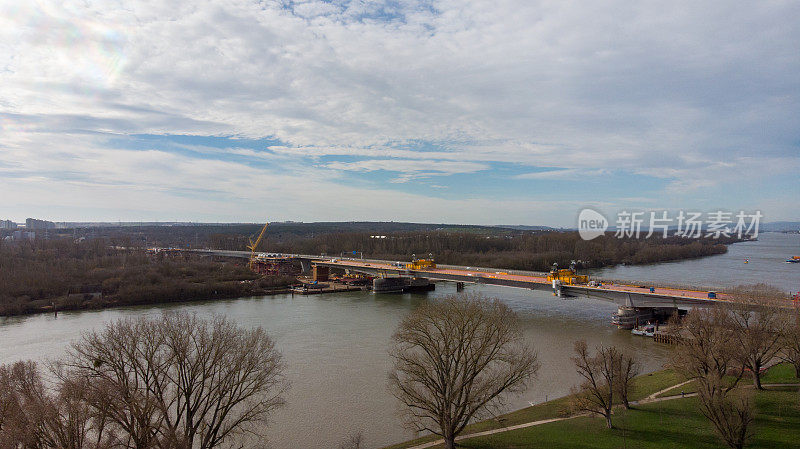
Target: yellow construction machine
(567, 276)
(253, 245)
(421, 264)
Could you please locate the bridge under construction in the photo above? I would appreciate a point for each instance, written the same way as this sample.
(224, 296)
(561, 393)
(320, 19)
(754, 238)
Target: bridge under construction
(626, 295)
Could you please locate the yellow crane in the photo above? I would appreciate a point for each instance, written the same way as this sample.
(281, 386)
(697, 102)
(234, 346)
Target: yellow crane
(253, 245)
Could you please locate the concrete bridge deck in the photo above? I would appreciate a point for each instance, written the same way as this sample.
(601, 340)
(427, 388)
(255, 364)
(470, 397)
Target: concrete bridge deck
(623, 294)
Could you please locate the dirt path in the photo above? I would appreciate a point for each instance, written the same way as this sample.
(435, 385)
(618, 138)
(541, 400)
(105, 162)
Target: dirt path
(655, 395)
(493, 431)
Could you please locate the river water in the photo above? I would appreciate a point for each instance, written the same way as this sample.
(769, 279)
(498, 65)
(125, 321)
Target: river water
(336, 345)
(766, 263)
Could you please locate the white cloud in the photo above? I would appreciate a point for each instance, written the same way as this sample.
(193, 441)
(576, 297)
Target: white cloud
(564, 174)
(660, 89)
(79, 182)
(410, 166)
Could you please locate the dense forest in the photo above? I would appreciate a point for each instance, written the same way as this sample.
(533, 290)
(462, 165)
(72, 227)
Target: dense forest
(501, 247)
(496, 246)
(535, 251)
(64, 274)
(235, 236)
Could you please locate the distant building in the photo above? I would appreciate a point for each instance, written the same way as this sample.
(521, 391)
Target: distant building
(84, 293)
(24, 235)
(33, 223)
(7, 224)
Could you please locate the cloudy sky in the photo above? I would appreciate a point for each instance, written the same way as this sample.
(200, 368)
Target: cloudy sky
(460, 111)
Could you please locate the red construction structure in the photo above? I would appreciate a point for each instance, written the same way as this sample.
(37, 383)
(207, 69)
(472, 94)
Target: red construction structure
(274, 266)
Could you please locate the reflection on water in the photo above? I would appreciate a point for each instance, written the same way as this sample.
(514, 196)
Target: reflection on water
(336, 346)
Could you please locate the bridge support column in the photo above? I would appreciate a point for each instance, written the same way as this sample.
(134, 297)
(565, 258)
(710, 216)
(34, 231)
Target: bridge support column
(321, 273)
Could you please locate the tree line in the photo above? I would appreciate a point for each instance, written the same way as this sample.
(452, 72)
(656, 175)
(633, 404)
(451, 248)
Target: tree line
(66, 274)
(499, 247)
(536, 251)
(235, 235)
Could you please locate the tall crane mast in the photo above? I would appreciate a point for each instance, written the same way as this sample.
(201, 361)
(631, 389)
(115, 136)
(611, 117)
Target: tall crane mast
(253, 245)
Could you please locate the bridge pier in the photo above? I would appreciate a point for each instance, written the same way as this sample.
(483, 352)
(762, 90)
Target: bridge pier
(628, 317)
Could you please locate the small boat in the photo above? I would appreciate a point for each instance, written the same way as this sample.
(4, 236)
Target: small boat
(794, 259)
(646, 331)
(747, 261)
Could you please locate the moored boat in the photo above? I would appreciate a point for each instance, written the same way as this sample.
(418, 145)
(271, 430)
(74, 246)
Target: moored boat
(645, 331)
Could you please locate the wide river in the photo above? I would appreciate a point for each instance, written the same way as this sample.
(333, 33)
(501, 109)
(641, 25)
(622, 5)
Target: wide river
(336, 345)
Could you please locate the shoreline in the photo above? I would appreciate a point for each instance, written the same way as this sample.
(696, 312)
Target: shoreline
(116, 304)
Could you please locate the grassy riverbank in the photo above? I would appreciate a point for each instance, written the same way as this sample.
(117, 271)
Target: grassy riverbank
(669, 423)
(643, 386)
(779, 374)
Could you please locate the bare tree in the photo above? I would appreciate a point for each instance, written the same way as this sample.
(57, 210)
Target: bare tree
(709, 354)
(127, 368)
(790, 341)
(33, 416)
(628, 367)
(454, 358)
(8, 405)
(758, 326)
(178, 380)
(731, 413)
(707, 347)
(599, 371)
(16, 428)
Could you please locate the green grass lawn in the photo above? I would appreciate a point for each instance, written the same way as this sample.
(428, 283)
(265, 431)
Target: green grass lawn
(647, 384)
(782, 373)
(673, 423)
(670, 424)
(555, 408)
(643, 386)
